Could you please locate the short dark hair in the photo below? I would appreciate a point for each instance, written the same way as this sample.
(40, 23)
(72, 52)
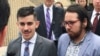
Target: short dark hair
(4, 13)
(25, 11)
(82, 14)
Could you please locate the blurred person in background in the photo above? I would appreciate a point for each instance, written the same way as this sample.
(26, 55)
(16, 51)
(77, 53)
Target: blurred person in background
(4, 16)
(95, 17)
(58, 4)
(84, 3)
(50, 18)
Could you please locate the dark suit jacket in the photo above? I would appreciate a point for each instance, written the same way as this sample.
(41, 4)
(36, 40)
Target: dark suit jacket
(58, 15)
(98, 25)
(43, 47)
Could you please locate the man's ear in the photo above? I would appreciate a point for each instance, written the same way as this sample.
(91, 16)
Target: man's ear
(17, 23)
(2, 35)
(37, 24)
(85, 23)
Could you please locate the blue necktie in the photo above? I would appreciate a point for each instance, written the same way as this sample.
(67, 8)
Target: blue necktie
(48, 24)
(26, 51)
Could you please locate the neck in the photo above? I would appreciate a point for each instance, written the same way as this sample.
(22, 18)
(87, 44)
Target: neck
(48, 5)
(97, 10)
(80, 37)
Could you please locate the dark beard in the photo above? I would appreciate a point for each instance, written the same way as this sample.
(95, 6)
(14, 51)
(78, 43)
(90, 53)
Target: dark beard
(76, 35)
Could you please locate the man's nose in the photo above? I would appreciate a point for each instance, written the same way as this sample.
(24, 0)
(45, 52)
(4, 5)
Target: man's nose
(67, 26)
(26, 27)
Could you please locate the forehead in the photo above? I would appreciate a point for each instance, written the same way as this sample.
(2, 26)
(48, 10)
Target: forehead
(28, 18)
(71, 16)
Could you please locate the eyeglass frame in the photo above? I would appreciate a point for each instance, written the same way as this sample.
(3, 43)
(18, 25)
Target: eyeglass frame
(69, 23)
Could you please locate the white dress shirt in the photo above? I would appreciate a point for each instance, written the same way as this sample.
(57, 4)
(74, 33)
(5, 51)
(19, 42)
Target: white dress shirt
(50, 11)
(31, 45)
(51, 17)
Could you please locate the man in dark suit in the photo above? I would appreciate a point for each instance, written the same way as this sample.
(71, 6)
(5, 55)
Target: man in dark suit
(93, 15)
(30, 43)
(56, 18)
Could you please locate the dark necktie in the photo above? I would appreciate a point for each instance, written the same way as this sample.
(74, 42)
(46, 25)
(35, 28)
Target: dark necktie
(26, 50)
(48, 24)
(95, 22)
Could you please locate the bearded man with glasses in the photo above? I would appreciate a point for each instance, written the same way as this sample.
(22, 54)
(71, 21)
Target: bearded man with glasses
(79, 39)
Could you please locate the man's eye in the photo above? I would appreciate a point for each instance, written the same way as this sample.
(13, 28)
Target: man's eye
(70, 22)
(22, 24)
(29, 23)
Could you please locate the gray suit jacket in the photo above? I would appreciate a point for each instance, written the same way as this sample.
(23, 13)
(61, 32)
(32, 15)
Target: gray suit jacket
(43, 47)
(89, 47)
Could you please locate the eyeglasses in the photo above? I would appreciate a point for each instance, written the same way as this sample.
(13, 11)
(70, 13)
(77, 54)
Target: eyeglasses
(69, 23)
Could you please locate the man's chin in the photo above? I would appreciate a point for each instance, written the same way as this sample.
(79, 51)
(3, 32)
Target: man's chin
(70, 34)
(72, 37)
(27, 38)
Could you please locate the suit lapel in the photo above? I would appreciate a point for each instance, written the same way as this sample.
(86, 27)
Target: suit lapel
(18, 47)
(98, 28)
(19, 50)
(42, 20)
(66, 43)
(54, 15)
(38, 46)
(90, 14)
(85, 44)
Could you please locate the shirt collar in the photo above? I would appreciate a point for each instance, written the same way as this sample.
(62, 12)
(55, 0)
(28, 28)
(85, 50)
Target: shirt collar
(32, 40)
(45, 7)
(94, 12)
